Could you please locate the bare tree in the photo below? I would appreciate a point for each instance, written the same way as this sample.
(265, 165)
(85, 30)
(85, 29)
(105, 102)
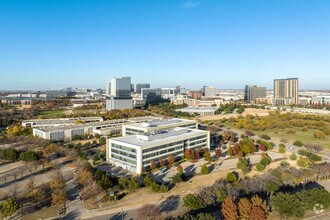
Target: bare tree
(149, 212)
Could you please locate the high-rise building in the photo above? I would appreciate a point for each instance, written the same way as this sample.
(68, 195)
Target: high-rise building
(119, 94)
(253, 92)
(286, 89)
(140, 86)
(209, 91)
(151, 96)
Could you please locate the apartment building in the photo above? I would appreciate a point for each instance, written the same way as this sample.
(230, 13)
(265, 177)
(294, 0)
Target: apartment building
(253, 92)
(286, 89)
(133, 152)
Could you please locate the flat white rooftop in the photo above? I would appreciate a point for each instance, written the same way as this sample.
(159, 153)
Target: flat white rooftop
(161, 137)
(162, 122)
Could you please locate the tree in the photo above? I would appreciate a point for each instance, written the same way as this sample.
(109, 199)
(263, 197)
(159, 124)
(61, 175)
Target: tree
(302, 163)
(287, 205)
(260, 167)
(221, 195)
(149, 212)
(133, 184)
(197, 153)
(123, 182)
(193, 202)
(58, 197)
(244, 208)
(104, 182)
(204, 169)
(36, 195)
(231, 177)
(207, 155)
(272, 187)
(257, 213)
(243, 164)
(152, 165)
(9, 207)
(218, 152)
(229, 209)
(147, 180)
(170, 160)
(29, 156)
(187, 154)
(161, 163)
(177, 178)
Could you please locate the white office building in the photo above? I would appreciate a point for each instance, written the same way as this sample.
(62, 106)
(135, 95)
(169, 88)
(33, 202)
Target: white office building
(157, 125)
(68, 132)
(133, 152)
(119, 96)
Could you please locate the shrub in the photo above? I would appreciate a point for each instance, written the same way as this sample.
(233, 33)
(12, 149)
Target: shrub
(205, 169)
(260, 167)
(298, 143)
(177, 178)
(249, 133)
(265, 137)
(315, 157)
(319, 134)
(265, 161)
(243, 136)
(282, 149)
(290, 131)
(284, 140)
(285, 163)
(302, 163)
(293, 156)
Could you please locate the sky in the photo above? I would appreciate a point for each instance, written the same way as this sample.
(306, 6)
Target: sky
(222, 43)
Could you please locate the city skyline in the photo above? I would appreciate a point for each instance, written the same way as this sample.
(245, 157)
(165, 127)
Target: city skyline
(164, 43)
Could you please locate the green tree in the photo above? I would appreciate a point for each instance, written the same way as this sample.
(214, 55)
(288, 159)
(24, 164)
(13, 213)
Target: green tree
(221, 195)
(207, 155)
(177, 178)
(260, 167)
(29, 156)
(302, 163)
(133, 184)
(231, 177)
(9, 207)
(193, 202)
(287, 205)
(204, 169)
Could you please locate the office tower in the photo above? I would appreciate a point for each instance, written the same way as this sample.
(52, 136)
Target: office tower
(108, 89)
(151, 96)
(253, 92)
(287, 89)
(120, 94)
(209, 91)
(140, 86)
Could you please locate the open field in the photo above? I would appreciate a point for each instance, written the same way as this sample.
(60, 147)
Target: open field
(51, 113)
(304, 136)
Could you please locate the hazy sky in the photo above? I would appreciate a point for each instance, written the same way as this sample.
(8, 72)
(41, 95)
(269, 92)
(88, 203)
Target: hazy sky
(222, 43)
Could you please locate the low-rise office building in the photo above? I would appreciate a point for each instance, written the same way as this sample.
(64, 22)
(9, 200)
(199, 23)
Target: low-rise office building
(157, 125)
(68, 133)
(133, 152)
(199, 110)
(34, 123)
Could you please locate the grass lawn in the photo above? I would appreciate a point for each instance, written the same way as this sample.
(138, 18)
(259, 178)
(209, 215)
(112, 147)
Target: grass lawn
(51, 113)
(303, 136)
